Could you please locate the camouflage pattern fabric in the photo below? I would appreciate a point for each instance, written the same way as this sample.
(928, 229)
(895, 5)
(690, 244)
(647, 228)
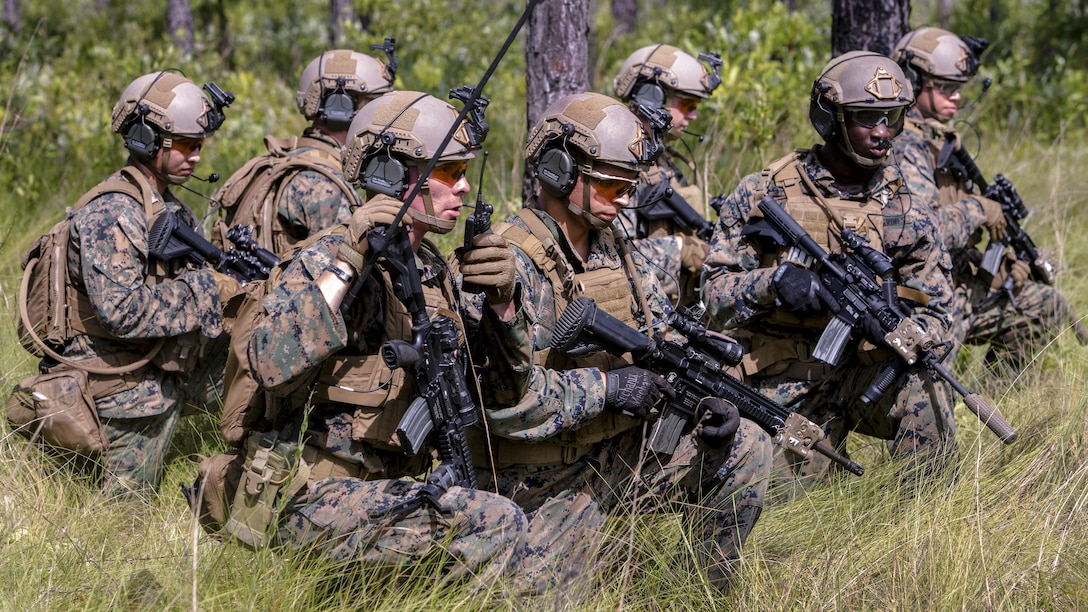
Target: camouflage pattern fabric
(108, 259)
(1013, 331)
(720, 491)
(309, 201)
(916, 414)
(297, 334)
(658, 240)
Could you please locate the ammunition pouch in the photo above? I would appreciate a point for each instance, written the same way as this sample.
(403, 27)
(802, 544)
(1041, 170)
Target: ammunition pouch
(269, 464)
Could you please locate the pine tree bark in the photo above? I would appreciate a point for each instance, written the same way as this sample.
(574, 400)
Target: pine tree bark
(556, 59)
(868, 25)
(625, 14)
(342, 13)
(179, 22)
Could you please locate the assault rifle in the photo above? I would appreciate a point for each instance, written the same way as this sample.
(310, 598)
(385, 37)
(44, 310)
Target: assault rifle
(694, 370)
(169, 239)
(960, 163)
(444, 407)
(661, 201)
(850, 277)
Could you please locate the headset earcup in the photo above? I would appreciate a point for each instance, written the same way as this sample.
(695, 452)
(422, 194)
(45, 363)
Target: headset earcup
(142, 141)
(648, 94)
(384, 174)
(338, 110)
(822, 118)
(556, 172)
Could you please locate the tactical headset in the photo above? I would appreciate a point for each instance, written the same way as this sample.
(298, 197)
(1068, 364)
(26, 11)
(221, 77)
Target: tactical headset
(556, 169)
(384, 173)
(141, 139)
(821, 117)
(338, 107)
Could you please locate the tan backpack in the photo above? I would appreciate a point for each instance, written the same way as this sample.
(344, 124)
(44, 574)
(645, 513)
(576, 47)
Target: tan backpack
(250, 196)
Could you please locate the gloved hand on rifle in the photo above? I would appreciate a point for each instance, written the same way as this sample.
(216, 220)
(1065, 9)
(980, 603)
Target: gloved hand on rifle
(1012, 267)
(718, 422)
(227, 286)
(488, 268)
(801, 291)
(635, 391)
(693, 252)
(995, 217)
(374, 212)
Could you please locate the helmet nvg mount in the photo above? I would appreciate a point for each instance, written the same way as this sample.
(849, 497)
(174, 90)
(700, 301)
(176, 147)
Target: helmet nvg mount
(402, 129)
(334, 83)
(581, 130)
(858, 80)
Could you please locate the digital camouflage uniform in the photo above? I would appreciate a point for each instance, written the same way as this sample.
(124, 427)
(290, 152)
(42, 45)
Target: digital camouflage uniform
(659, 239)
(547, 424)
(1013, 331)
(309, 201)
(305, 352)
(136, 300)
(917, 414)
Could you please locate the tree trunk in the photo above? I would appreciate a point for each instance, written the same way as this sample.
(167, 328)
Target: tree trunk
(945, 13)
(179, 22)
(868, 25)
(625, 13)
(556, 59)
(12, 17)
(342, 14)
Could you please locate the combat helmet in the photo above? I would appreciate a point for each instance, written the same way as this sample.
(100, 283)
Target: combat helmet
(578, 131)
(399, 130)
(938, 54)
(159, 107)
(334, 84)
(857, 81)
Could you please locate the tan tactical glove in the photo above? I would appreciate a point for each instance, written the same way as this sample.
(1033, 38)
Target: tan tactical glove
(995, 217)
(693, 253)
(227, 285)
(488, 268)
(374, 212)
(1012, 267)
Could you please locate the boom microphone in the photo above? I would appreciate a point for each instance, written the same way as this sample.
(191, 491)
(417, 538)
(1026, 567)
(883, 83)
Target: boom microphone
(213, 177)
(701, 137)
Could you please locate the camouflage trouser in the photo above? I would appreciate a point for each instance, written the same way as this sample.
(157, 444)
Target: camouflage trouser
(477, 533)
(915, 415)
(721, 491)
(132, 464)
(1014, 331)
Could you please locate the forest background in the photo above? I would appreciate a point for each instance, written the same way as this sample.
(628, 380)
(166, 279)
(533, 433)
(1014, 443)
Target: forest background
(1010, 533)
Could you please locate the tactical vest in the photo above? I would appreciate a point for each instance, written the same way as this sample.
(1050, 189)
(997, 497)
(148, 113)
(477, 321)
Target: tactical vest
(74, 314)
(936, 135)
(381, 396)
(251, 196)
(664, 170)
(823, 218)
(614, 289)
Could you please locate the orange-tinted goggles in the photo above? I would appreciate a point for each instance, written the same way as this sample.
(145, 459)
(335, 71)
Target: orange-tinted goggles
(613, 187)
(186, 146)
(449, 173)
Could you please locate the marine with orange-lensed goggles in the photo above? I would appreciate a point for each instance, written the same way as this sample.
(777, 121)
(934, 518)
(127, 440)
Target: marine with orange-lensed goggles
(186, 146)
(612, 187)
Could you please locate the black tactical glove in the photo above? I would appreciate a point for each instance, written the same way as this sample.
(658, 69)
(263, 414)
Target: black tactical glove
(718, 422)
(801, 292)
(871, 329)
(635, 391)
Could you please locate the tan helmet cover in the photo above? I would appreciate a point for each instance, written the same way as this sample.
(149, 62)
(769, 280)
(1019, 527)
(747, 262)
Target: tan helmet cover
(363, 75)
(407, 124)
(666, 65)
(601, 127)
(863, 79)
(937, 53)
(175, 105)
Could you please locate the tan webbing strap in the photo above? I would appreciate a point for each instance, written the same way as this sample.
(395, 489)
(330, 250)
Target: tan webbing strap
(643, 303)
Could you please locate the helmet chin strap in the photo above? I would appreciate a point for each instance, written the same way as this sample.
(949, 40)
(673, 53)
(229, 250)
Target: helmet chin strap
(583, 210)
(844, 145)
(430, 219)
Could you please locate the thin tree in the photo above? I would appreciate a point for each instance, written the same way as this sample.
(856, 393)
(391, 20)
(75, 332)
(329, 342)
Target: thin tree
(625, 14)
(179, 22)
(12, 17)
(868, 25)
(556, 58)
(342, 14)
